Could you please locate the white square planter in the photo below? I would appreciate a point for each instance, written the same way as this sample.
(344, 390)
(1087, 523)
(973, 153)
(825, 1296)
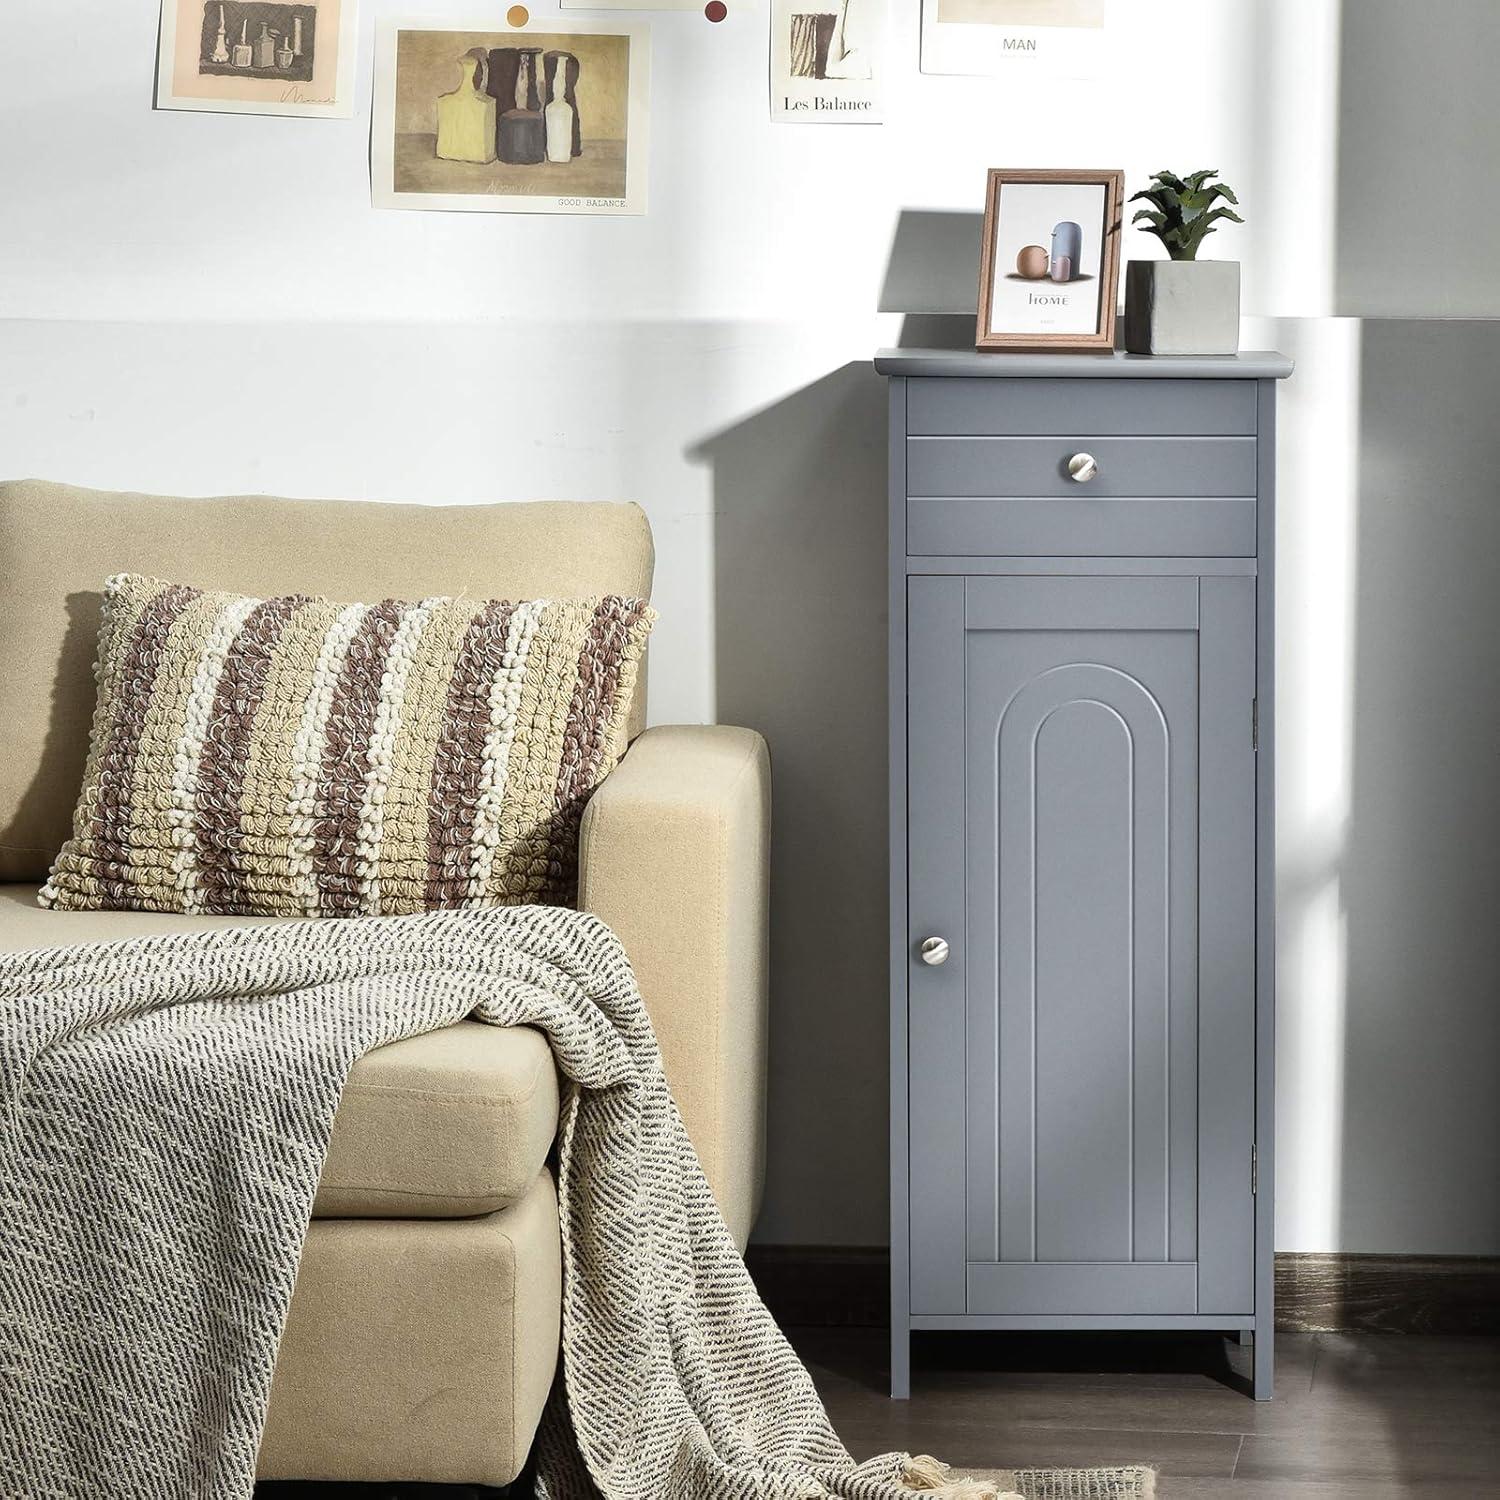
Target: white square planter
(1182, 307)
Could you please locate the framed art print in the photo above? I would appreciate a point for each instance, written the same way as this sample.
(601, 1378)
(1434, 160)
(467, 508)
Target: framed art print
(551, 116)
(1050, 263)
(1015, 38)
(827, 61)
(258, 57)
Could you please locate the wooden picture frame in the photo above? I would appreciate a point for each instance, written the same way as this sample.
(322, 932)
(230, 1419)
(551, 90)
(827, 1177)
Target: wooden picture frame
(1056, 230)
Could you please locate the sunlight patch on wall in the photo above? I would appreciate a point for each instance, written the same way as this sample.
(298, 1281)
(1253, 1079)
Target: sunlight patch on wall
(1317, 515)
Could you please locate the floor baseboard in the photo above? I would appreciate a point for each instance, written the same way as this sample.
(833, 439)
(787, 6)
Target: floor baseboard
(1388, 1293)
(823, 1286)
(830, 1286)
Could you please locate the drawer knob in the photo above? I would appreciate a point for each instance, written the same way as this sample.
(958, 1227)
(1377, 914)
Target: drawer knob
(934, 951)
(1082, 467)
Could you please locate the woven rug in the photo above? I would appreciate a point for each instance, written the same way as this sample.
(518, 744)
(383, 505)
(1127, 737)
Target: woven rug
(1073, 1484)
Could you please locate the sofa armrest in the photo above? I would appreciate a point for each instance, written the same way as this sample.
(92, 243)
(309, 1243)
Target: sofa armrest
(674, 856)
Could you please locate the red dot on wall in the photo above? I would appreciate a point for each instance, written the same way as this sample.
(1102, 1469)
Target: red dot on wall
(715, 10)
(518, 15)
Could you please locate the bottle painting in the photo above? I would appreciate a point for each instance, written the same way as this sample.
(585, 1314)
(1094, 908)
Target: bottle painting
(845, 61)
(265, 47)
(523, 132)
(220, 53)
(466, 117)
(559, 114)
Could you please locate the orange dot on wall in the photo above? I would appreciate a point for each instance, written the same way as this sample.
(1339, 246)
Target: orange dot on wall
(715, 10)
(518, 15)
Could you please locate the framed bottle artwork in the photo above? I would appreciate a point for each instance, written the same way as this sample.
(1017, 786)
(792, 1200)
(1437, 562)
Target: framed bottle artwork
(1050, 263)
(259, 57)
(549, 116)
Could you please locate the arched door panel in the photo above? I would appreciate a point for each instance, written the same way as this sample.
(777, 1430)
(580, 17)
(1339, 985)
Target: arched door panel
(1072, 730)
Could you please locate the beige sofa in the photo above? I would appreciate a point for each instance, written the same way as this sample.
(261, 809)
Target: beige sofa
(423, 1335)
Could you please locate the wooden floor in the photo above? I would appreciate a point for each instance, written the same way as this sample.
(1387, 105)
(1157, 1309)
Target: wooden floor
(1356, 1416)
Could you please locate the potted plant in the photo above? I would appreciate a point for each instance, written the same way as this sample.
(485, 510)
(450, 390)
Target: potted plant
(1183, 305)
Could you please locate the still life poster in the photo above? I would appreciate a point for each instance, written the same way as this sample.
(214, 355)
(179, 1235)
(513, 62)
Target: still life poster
(827, 58)
(1050, 38)
(551, 117)
(257, 57)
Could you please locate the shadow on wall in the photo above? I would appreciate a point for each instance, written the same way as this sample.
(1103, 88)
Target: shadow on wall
(64, 751)
(932, 277)
(799, 499)
(1421, 1128)
(1389, 859)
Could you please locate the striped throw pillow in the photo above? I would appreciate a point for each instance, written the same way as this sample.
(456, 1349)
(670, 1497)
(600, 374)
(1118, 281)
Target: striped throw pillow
(292, 757)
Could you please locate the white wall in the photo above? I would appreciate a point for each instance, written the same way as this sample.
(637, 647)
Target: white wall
(115, 211)
(1418, 166)
(203, 303)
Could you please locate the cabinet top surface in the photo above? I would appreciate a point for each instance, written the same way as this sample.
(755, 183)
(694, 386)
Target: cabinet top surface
(1117, 365)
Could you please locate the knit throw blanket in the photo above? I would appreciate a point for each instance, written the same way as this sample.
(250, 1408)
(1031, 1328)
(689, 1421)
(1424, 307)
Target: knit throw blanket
(167, 1105)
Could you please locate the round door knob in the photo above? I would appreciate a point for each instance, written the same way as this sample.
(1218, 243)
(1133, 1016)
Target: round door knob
(934, 951)
(1082, 467)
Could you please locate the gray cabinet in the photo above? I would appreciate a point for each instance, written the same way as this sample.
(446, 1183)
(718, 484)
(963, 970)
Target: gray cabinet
(1081, 790)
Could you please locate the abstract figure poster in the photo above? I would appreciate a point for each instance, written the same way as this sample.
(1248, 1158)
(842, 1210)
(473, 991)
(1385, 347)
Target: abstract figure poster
(1050, 261)
(258, 57)
(1049, 38)
(827, 61)
(551, 117)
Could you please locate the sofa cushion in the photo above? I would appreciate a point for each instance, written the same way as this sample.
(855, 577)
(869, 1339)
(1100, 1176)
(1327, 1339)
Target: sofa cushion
(450, 1124)
(58, 543)
(418, 1351)
(441, 1126)
(299, 757)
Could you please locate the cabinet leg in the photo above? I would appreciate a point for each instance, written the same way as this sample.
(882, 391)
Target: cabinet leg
(900, 1363)
(1262, 1369)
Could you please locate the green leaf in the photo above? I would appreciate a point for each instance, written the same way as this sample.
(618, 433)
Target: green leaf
(1163, 200)
(1202, 201)
(1185, 207)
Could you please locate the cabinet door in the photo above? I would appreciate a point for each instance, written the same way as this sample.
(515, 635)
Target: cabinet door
(1083, 835)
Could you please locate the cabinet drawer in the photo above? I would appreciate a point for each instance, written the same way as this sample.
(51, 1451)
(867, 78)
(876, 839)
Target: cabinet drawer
(985, 526)
(977, 407)
(1038, 466)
